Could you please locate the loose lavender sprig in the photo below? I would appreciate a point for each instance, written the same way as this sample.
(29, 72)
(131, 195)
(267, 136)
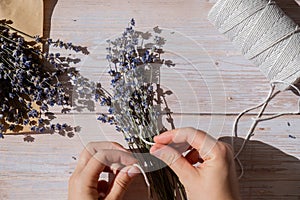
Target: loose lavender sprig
(30, 80)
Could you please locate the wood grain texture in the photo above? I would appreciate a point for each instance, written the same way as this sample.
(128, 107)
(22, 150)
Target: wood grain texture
(271, 160)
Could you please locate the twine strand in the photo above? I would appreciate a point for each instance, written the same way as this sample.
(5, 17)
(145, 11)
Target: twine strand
(271, 40)
(264, 34)
(145, 179)
(142, 138)
(259, 118)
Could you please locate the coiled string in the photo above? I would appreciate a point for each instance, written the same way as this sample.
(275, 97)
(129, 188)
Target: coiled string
(264, 34)
(267, 37)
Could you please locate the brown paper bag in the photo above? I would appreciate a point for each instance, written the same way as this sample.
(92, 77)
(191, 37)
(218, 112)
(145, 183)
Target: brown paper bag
(28, 17)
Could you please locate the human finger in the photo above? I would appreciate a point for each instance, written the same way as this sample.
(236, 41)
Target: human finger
(91, 149)
(121, 182)
(198, 139)
(103, 158)
(184, 170)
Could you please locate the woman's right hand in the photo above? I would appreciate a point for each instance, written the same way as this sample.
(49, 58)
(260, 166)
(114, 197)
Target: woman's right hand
(214, 179)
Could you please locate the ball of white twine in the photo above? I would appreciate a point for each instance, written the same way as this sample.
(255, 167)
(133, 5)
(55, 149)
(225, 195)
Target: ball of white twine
(264, 34)
(269, 38)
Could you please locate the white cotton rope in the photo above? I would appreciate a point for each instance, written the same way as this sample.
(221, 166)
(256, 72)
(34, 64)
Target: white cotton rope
(264, 34)
(271, 40)
(138, 166)
(259, 117)
(142, 138)
(145, 178)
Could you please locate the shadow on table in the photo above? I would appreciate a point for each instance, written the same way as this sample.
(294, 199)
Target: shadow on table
(269, 173)
(49, 6)
(291, 8)
(66, 65)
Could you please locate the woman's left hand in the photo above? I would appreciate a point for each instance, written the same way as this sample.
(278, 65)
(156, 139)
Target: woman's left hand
(100, 157)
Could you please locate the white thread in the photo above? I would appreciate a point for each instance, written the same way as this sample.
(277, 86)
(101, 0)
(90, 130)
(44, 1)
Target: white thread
(290, 85)
(250, 132)
(145, 178)
(259, 118)
(234, 130)
(141, 137)
(138, 166)
(265, 35)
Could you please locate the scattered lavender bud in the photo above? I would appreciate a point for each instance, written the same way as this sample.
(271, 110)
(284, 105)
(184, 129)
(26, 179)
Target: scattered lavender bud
(291, 136)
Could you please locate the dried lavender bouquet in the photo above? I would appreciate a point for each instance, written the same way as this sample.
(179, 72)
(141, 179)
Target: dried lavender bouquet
(32, 80)
(135, 103)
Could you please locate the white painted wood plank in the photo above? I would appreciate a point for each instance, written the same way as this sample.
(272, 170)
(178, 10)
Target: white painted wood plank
(42, 168)
(244, 85)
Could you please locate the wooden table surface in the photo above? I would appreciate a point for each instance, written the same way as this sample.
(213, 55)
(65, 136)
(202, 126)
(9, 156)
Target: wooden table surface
(211, 83)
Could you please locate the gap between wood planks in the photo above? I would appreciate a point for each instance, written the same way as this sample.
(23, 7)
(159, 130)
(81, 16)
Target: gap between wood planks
(185, 114)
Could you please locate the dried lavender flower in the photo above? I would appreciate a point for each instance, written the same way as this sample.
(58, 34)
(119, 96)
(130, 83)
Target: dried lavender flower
(134, 100)
(28, 76)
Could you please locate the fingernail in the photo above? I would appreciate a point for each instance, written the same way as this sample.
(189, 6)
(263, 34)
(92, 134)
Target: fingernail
(152, 149)
(158, 137)
(133, 171)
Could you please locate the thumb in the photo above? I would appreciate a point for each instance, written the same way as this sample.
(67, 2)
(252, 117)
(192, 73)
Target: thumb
(121, 182)
(183, 169)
